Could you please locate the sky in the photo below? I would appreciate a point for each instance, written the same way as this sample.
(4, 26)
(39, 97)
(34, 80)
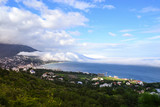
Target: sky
(68, 29)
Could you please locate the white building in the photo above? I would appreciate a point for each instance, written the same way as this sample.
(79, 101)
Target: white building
(115, 77)
(106, 85)
(79, 82)
(44, 75)
(101, 79)
(119, 83)
(32, 71)
(60, 79)
(128, 83)
(140, 83)
(15, 69)
(94, 79)
(158, 90)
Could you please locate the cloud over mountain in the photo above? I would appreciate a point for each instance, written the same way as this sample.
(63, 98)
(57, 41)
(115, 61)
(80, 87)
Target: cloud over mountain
(38, 31)
(81, 27)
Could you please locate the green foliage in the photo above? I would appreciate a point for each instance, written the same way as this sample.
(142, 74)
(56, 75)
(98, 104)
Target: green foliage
(26, 90)
(148, 100)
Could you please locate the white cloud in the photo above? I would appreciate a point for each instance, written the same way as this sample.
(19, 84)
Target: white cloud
(70, 56)
(111, 34)
(126, 40)
(2, 2)
(101, 48)
(67, 42)
(94, 56)
(127, 34)
(55, 19)
(40, 32)
(148, 61)
(149, 9)
(133, 10)
(158, 19)
(35, 4)
(99, 1)
(152, 29)
(154, 37)
(90, 31)
(127, 30)
(139, 16)
(38, 5)
(59, 56)
(76, 4)
(112, 53)
(58, 19)
(109, 7)
(44, 31)
(143, 48)
(75, 33)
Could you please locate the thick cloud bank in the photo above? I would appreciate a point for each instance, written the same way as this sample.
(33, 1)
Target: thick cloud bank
(155, 62)
(63, 56)
(49, 29)
(39, 31)
(69, 56)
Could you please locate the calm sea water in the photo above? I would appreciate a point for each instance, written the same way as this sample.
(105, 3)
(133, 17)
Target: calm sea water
(143, 73)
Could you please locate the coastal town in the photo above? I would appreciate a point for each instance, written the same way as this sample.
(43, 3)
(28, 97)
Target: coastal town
(98, 80)
(26, 73)
(19, 62)
(88, 79)
(32, 65)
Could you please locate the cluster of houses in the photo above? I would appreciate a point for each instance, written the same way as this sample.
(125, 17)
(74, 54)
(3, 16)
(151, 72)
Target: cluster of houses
(49, 76)
(106, 84)
(17, 63)
(96, 81)
(23, 67)
(99, 80)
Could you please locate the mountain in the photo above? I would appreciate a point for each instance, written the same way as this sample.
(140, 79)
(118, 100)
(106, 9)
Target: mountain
(9, 50)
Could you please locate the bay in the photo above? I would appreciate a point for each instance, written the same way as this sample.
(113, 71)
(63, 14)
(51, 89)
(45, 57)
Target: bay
(144, 73)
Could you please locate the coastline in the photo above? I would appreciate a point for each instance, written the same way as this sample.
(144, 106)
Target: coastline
(129, 72)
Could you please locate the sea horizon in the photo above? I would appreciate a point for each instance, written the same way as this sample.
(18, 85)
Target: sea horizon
(138, 72)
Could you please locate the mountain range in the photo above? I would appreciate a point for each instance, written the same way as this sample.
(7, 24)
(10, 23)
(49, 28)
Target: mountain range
(9, 50)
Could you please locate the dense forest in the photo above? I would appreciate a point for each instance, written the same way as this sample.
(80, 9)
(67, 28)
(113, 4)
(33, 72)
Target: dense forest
(25, 90)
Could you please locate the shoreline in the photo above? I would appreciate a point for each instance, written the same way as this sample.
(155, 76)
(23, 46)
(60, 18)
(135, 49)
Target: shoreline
(113, 78)
(109, 68)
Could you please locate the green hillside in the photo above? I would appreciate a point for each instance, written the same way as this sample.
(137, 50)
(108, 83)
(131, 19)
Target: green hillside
(26, 90)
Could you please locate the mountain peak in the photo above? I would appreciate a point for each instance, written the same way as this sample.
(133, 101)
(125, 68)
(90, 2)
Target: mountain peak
(8, 50)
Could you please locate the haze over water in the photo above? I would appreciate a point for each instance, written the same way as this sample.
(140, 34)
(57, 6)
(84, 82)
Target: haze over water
(143, 73)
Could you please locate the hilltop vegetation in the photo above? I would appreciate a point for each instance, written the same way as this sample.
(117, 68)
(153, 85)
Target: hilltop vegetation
(25, 90)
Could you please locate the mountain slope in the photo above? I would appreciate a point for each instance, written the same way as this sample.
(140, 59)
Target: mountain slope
(8, 50)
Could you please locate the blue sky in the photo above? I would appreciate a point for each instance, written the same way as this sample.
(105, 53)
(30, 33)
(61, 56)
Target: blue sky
(95, 28)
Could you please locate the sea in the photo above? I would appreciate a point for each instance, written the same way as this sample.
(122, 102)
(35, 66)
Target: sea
(147, 74)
